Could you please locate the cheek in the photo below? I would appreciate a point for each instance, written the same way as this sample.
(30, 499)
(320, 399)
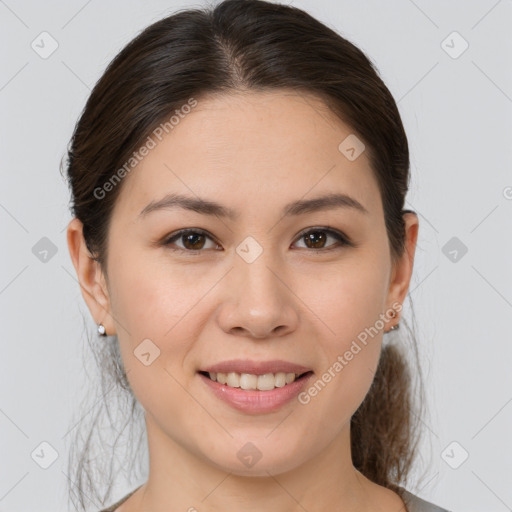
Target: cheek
(154, 336)
(349, 305)
(347, 297)
(152, 298)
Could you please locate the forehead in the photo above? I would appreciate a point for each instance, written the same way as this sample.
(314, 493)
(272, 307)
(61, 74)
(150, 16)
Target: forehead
(264, 146)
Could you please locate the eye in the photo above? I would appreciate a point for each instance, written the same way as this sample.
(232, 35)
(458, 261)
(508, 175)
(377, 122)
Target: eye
(315, 238)
(192, 239)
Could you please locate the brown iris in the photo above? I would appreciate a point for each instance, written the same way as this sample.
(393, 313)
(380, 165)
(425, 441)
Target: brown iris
(193, 241)
(316, 238)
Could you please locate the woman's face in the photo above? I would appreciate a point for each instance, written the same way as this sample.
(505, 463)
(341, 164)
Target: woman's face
(265, 283)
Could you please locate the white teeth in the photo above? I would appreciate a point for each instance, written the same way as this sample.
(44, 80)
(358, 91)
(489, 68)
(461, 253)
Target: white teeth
(233, 380)
(290, 377)
(281, 379)
(248, 381)
(265, 382)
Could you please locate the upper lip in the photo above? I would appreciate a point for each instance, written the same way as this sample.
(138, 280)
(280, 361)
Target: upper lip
(256, 367)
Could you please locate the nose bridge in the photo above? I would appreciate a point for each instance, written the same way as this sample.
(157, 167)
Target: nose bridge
(259, 303)
(257, 279)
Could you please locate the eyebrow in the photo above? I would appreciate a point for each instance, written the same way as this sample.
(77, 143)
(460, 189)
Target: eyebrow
(208, 207)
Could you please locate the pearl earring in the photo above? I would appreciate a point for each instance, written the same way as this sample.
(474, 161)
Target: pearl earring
(393, 327)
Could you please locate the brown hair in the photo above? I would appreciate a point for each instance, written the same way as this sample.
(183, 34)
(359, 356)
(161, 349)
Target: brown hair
(248, 45)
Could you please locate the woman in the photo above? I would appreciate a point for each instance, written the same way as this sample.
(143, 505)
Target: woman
(238, 178)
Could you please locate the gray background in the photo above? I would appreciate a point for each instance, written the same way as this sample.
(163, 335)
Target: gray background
(458, 116)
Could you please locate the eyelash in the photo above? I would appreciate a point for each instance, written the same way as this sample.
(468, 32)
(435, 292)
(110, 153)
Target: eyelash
(343, 241)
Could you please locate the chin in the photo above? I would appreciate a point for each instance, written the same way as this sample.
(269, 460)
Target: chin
(257, 458)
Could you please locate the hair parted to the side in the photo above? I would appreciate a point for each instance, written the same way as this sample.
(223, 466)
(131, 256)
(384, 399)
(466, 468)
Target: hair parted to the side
(238, 45)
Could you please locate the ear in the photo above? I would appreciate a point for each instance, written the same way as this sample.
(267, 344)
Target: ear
(91, 278)
(402, 269)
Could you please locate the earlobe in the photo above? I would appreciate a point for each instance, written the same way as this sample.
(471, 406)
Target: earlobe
(90, 277)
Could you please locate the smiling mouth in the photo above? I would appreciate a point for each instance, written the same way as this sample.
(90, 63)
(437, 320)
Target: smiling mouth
(249, 381)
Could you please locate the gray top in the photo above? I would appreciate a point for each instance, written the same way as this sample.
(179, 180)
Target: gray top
(416, 504)
(413, 503)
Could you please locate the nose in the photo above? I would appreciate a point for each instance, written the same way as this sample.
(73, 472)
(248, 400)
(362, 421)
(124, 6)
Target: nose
(258, 301)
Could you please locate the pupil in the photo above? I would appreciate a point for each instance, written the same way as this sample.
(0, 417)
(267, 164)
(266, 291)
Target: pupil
(192, 239)
(316, 237)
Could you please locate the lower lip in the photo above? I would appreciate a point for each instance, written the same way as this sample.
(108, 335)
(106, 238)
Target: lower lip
(255, 401)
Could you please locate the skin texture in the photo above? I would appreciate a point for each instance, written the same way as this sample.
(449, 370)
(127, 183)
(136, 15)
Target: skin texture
(254, 153)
